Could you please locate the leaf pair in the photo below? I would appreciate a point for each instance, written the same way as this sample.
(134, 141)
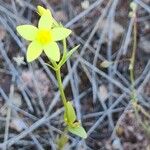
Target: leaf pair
(66, 55)
(73, 126)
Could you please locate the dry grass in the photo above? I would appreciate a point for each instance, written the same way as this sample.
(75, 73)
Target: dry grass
(99, 95)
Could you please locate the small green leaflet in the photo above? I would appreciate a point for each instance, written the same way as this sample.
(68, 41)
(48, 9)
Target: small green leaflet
(61, 141)
(72, 51)
(70, 117)
(79, 131)
(72, 126)
(68, 54)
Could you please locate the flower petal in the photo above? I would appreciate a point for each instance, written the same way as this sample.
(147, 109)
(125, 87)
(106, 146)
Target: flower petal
(28, 32)
(52, 51)
(46, 21)
(34, 50)
(60, 33)
(41, 10)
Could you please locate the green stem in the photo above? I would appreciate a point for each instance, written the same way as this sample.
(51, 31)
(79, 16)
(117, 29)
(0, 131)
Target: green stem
(65, 46)
(136, 107)
(132, 61)
(131, 68)
(61, 89)
(64, 52)
(57, 68)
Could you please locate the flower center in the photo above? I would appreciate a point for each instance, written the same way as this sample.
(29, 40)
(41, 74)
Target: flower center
(44, 36)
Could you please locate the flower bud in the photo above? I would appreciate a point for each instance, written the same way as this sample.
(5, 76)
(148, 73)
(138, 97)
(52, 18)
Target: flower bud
(41, 11)
(133, 6)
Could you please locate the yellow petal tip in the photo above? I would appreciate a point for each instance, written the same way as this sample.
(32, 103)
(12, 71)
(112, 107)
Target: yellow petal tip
(41, 10)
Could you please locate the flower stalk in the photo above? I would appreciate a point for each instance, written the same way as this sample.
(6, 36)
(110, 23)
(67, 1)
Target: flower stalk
(61, 89)
(137, 108)
(45, 38)
(132, 60)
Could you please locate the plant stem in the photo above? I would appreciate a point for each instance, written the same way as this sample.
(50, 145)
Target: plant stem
(57, 68)
(65, 46)
(61, 89)
(132, 62)
(64, 52)
(136, 107)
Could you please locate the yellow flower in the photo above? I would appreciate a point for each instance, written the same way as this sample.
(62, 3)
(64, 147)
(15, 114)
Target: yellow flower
(44, 37)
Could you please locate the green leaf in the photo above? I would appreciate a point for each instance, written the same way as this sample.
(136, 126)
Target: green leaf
(50, 66)
(72, 51)
(28, 32)
(79, 131)
(70, 117)
(68, 54)
(61, 141)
